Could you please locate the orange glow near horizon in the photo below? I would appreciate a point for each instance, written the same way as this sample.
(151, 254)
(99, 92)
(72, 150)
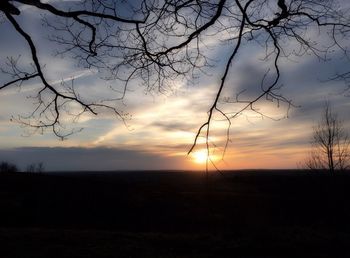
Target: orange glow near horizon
(200, 157)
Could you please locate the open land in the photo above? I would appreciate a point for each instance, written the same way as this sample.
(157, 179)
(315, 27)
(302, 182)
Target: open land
(175, 214)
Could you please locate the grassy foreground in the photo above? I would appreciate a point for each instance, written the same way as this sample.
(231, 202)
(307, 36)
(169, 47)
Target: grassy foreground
(175, 214)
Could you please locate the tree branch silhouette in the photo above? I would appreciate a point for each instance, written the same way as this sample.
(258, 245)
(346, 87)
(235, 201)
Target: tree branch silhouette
(159, 42)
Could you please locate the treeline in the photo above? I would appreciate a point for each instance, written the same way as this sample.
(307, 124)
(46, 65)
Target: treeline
(7, 167)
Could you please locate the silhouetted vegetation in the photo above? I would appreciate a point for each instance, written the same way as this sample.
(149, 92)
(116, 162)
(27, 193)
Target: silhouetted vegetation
(157, 44)
(6, 167)
(330, 144)
(35, 168)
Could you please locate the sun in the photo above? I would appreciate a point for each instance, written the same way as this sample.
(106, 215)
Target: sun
(200, 156)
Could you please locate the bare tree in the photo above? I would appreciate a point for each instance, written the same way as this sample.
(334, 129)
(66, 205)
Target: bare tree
(6, 167)
(330, 145)
(30, 168)
(40, 167)
(35, 168)
(159, 41)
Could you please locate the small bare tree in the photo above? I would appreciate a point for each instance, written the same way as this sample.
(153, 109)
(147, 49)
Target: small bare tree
(35, 168)
(330, 143)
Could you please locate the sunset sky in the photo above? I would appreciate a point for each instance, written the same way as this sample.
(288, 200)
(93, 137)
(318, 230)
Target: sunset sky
(162, 127)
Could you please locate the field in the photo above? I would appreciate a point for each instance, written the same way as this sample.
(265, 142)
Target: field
(175, 214)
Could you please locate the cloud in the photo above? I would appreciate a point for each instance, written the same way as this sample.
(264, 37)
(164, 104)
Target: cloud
(164, 126)
(90, 159)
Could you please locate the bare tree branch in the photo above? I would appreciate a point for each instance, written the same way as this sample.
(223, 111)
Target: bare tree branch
(156, 43)
(330, 145)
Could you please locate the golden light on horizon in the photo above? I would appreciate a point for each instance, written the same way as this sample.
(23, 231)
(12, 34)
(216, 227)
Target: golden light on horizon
(200, 156)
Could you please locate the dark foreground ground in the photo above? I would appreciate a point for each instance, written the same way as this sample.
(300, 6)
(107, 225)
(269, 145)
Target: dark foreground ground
(175, 214)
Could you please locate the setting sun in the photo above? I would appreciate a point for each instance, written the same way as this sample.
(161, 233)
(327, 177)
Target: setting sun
(200, 156)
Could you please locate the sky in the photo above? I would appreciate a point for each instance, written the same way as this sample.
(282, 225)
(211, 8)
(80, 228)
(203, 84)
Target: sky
(161, 127)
